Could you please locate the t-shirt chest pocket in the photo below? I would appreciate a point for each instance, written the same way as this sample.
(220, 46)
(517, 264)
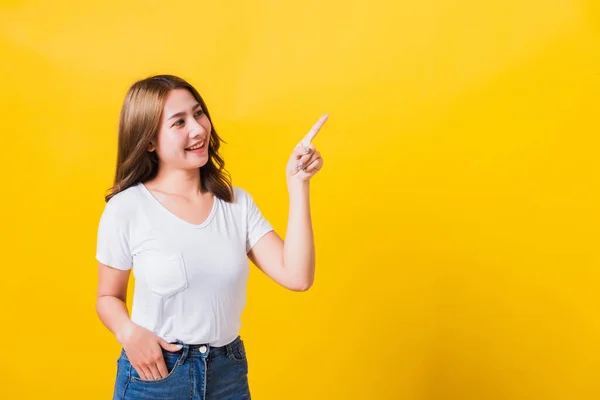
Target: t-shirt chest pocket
(164, 273)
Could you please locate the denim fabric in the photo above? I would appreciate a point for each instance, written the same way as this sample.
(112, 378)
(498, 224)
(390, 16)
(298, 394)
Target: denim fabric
(196, 372)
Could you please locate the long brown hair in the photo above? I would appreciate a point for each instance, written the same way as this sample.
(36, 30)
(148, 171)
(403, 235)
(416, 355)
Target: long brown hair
(139, 124)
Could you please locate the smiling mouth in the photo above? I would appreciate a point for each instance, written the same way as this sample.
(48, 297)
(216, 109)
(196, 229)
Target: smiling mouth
(196, 146)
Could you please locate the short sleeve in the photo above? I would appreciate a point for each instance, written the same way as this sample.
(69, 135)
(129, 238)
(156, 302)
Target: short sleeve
(112, 246)
(257, 225)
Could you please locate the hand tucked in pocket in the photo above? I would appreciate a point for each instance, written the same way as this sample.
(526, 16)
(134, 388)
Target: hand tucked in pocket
(144, 351)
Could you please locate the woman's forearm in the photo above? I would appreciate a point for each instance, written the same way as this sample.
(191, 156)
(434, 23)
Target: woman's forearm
(113, 314)
(299, 247)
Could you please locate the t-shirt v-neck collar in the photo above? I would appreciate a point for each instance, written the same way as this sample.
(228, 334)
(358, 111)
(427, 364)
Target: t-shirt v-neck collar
(171, 215)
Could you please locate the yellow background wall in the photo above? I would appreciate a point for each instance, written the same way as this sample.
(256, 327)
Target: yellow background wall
(457, 218)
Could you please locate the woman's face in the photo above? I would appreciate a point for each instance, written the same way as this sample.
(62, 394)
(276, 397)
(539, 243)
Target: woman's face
(184, 134)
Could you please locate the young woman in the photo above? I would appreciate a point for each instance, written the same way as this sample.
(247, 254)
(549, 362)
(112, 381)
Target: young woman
(174, 218)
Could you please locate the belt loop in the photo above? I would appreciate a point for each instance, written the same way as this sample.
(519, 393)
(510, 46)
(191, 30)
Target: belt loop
(185, 351)
(229, 348)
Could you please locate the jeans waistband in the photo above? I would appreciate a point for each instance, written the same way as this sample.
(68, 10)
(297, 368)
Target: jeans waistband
(205, 350)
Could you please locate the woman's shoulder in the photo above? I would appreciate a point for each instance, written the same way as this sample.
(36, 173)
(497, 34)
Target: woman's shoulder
(241, 198)
(125, 201)
(239, 193)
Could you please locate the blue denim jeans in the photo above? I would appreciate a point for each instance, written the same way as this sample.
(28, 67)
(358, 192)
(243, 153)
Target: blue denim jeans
(196, 372)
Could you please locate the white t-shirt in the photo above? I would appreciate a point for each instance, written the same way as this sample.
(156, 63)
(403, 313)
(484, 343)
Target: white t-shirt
(190, 280)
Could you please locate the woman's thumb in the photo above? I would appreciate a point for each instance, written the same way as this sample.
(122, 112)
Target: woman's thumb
(170, 346)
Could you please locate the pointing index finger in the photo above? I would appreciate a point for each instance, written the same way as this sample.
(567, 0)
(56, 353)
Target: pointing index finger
(314, 130)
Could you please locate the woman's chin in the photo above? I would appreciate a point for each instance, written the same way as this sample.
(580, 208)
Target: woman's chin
(197, 165)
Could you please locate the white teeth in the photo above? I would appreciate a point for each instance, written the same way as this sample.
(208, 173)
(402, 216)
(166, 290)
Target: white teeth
(196, 146)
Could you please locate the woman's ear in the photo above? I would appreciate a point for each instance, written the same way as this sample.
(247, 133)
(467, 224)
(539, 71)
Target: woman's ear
(151, 147)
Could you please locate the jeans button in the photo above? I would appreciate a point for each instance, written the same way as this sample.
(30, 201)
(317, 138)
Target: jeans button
(203, 349)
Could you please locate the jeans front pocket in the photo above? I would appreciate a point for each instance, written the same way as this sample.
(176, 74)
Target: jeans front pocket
(238, 351)
(171, 362)
(176, 385)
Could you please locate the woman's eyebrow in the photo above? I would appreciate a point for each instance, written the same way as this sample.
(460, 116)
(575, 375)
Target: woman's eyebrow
(182, 113)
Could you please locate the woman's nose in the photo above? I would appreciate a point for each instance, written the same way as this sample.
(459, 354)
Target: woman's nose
(196, 128)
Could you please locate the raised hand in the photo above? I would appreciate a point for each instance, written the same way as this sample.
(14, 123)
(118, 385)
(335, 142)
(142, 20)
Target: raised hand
(305, 161)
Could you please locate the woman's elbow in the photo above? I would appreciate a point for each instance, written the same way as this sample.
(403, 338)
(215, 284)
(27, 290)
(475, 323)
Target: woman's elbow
(300, 286)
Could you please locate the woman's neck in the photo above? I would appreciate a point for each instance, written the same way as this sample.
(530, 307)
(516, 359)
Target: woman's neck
(177, 182)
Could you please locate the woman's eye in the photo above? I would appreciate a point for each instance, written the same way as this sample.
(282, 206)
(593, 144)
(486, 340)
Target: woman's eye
(199, 113)
(179, 122)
